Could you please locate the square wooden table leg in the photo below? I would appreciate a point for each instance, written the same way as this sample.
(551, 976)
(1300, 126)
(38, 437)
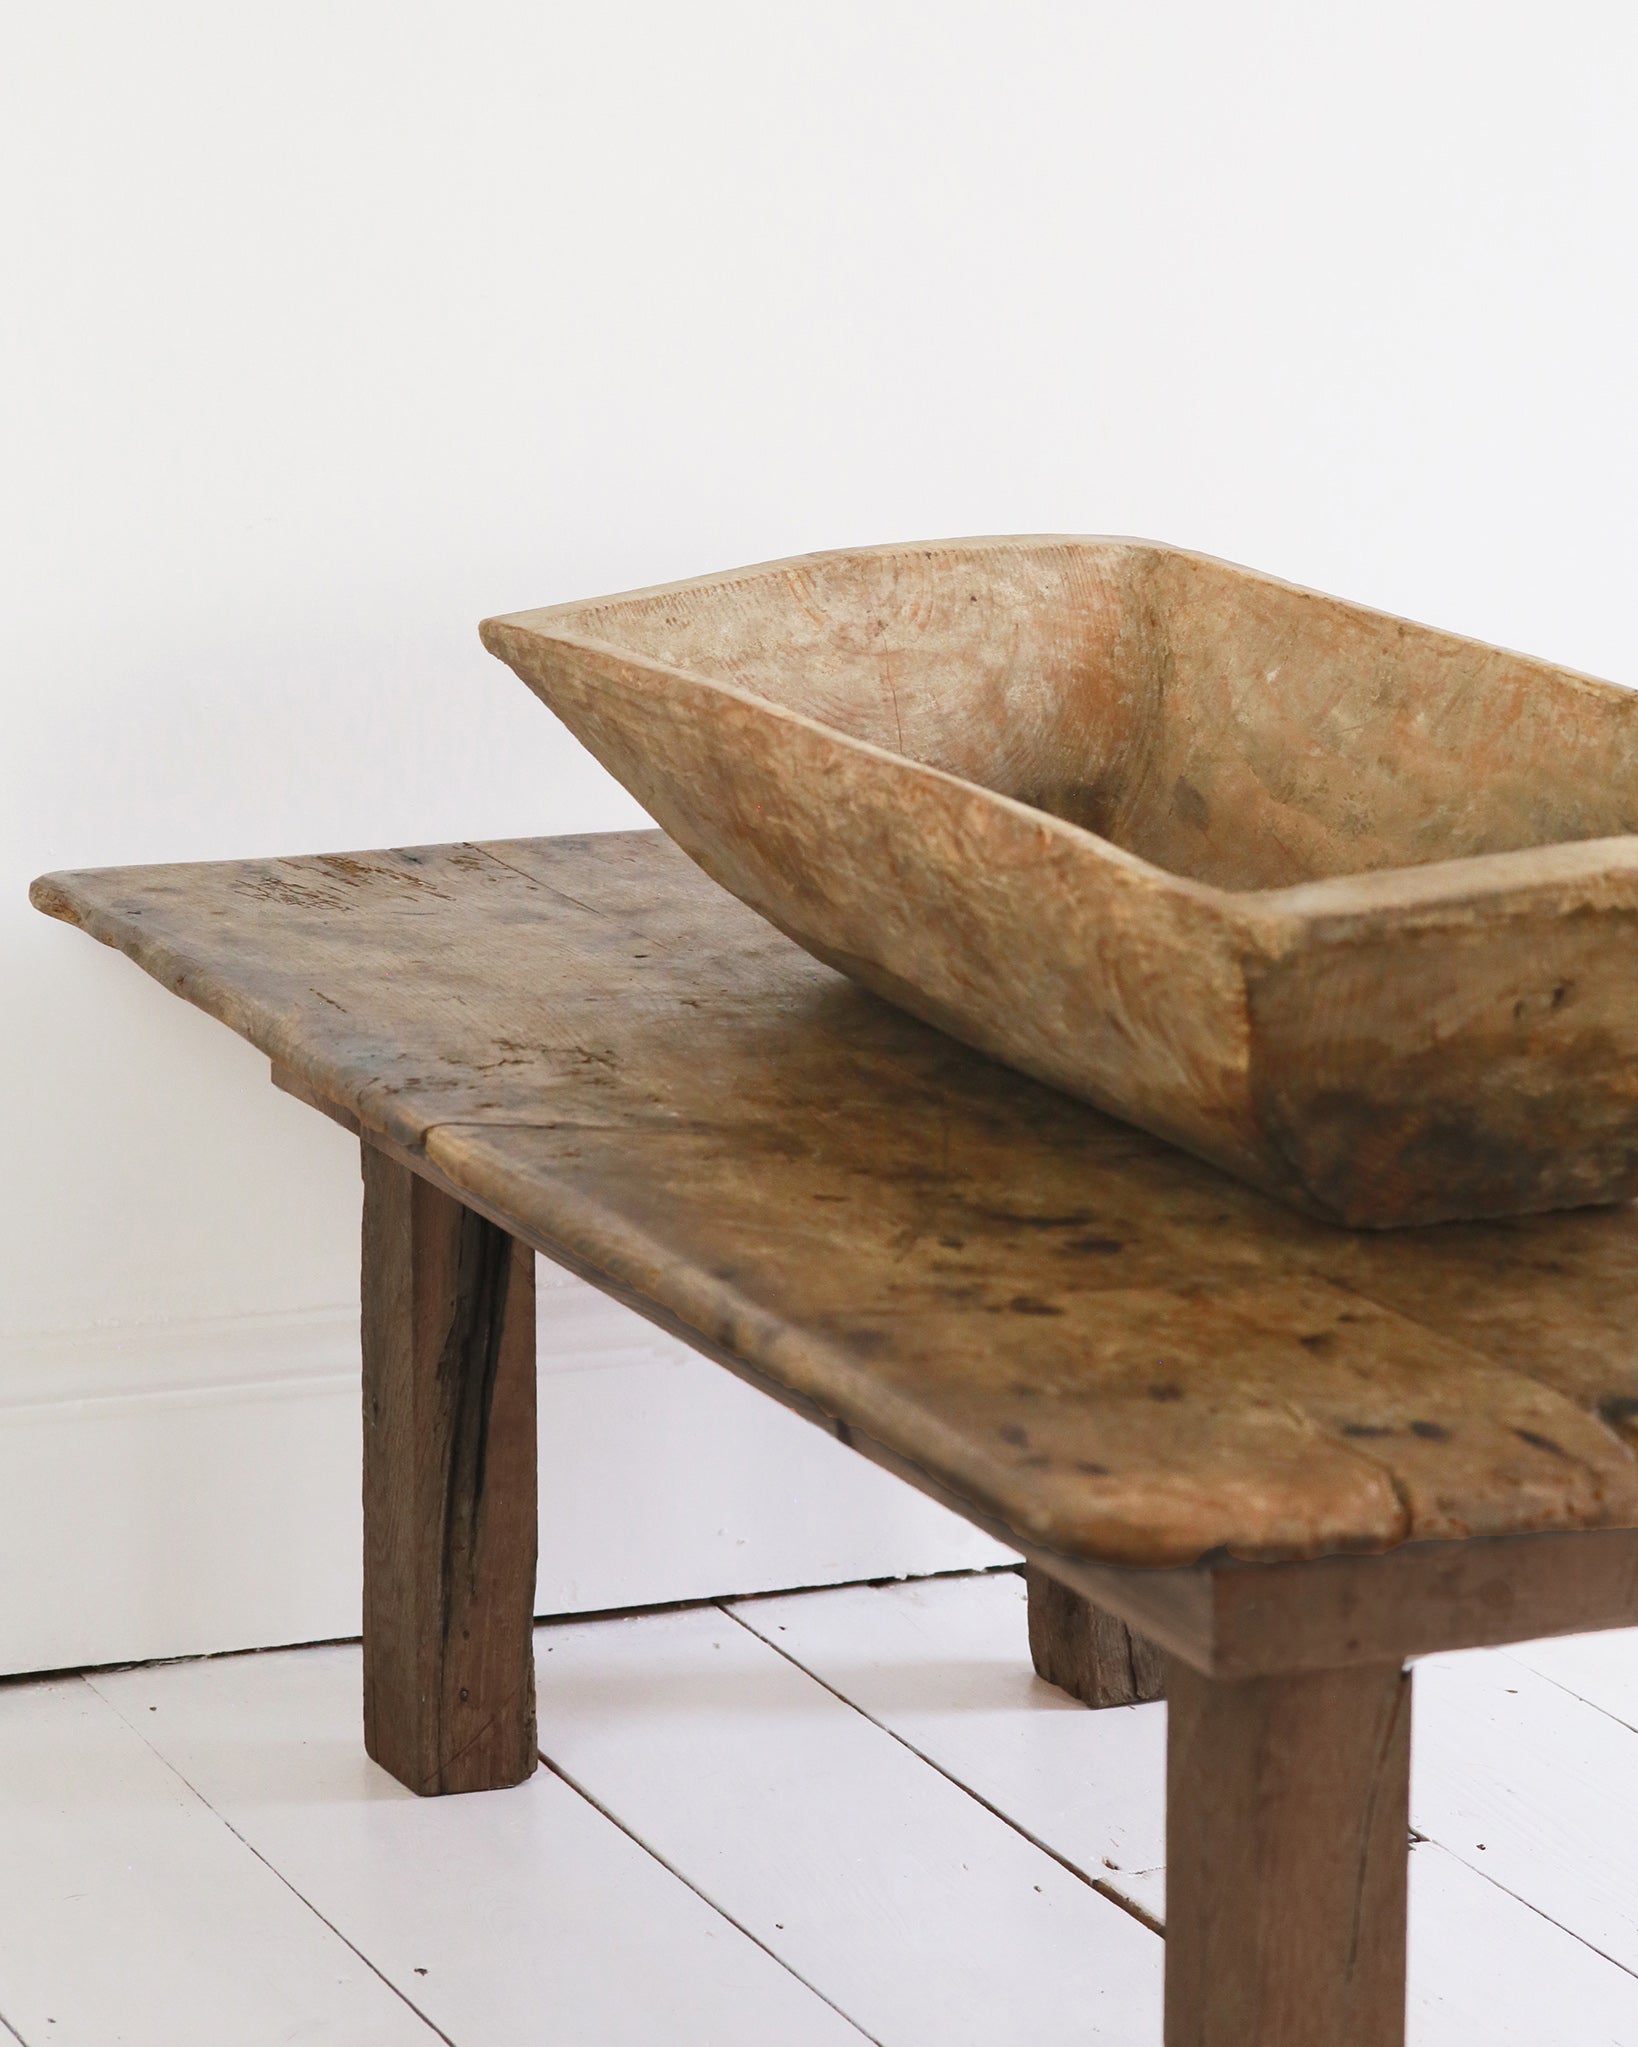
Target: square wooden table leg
(1086, 1651)
(449, 1488)
(1287, 1850)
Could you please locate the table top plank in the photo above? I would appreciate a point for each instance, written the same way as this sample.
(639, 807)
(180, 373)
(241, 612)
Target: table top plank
(1093, 1338)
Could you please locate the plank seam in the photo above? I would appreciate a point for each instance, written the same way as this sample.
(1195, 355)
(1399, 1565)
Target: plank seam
(1101, 1885)
(1570, 1692)
(1592, 1412)
(704, 1897)
(1433, 1841)
(381, 1976)
(485, 850)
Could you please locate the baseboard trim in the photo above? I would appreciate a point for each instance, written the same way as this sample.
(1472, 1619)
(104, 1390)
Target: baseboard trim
(579, 1329)
(176, 1490)
(204, 1358)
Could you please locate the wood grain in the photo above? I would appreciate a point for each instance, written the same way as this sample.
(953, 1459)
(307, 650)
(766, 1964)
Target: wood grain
(1085, 1650)
(1237, 1620)
(1287, 1834)
(1340, 903)
(1083, 1337)
(449, 1488)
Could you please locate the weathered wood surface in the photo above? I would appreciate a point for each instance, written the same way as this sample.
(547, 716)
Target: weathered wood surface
(1345, 905)
(450, 1526)
(1086, 1336)
(1244, 1620)
(1087, 1651)
(1287, 1814)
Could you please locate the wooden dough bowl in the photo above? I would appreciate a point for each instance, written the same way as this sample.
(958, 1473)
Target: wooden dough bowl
(1343, 904)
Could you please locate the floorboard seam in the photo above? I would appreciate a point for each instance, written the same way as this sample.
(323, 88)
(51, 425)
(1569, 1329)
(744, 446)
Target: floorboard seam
(1101, 1885)
(704, 1897)
(1495, 1883)
(1593, 1706)
(250, 1846)
(1570, 1692)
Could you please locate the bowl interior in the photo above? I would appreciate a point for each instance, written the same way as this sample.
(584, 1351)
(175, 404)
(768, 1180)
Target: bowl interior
(1212, 721)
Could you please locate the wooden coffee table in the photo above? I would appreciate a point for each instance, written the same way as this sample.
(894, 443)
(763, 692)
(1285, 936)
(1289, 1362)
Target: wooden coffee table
(1284, 1457)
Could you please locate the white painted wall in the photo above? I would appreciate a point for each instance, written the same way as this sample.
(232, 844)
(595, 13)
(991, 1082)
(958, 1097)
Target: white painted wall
(327, 329)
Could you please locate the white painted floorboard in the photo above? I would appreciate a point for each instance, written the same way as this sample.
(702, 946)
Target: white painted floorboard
(928, 1920)
(774, 1845)
(944, 1665)
(1487, 1971)
(512, 1919)
(131, 1917)
(1600, 1669)
(1534, 1789)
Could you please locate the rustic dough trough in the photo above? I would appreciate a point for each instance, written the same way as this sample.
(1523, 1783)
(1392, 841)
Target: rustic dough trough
(1340, 903)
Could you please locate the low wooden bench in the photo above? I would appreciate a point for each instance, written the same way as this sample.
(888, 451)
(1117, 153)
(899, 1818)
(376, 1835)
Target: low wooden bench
(1274, 1458)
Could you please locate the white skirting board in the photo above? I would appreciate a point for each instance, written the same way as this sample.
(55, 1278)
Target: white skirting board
(182, 1490)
